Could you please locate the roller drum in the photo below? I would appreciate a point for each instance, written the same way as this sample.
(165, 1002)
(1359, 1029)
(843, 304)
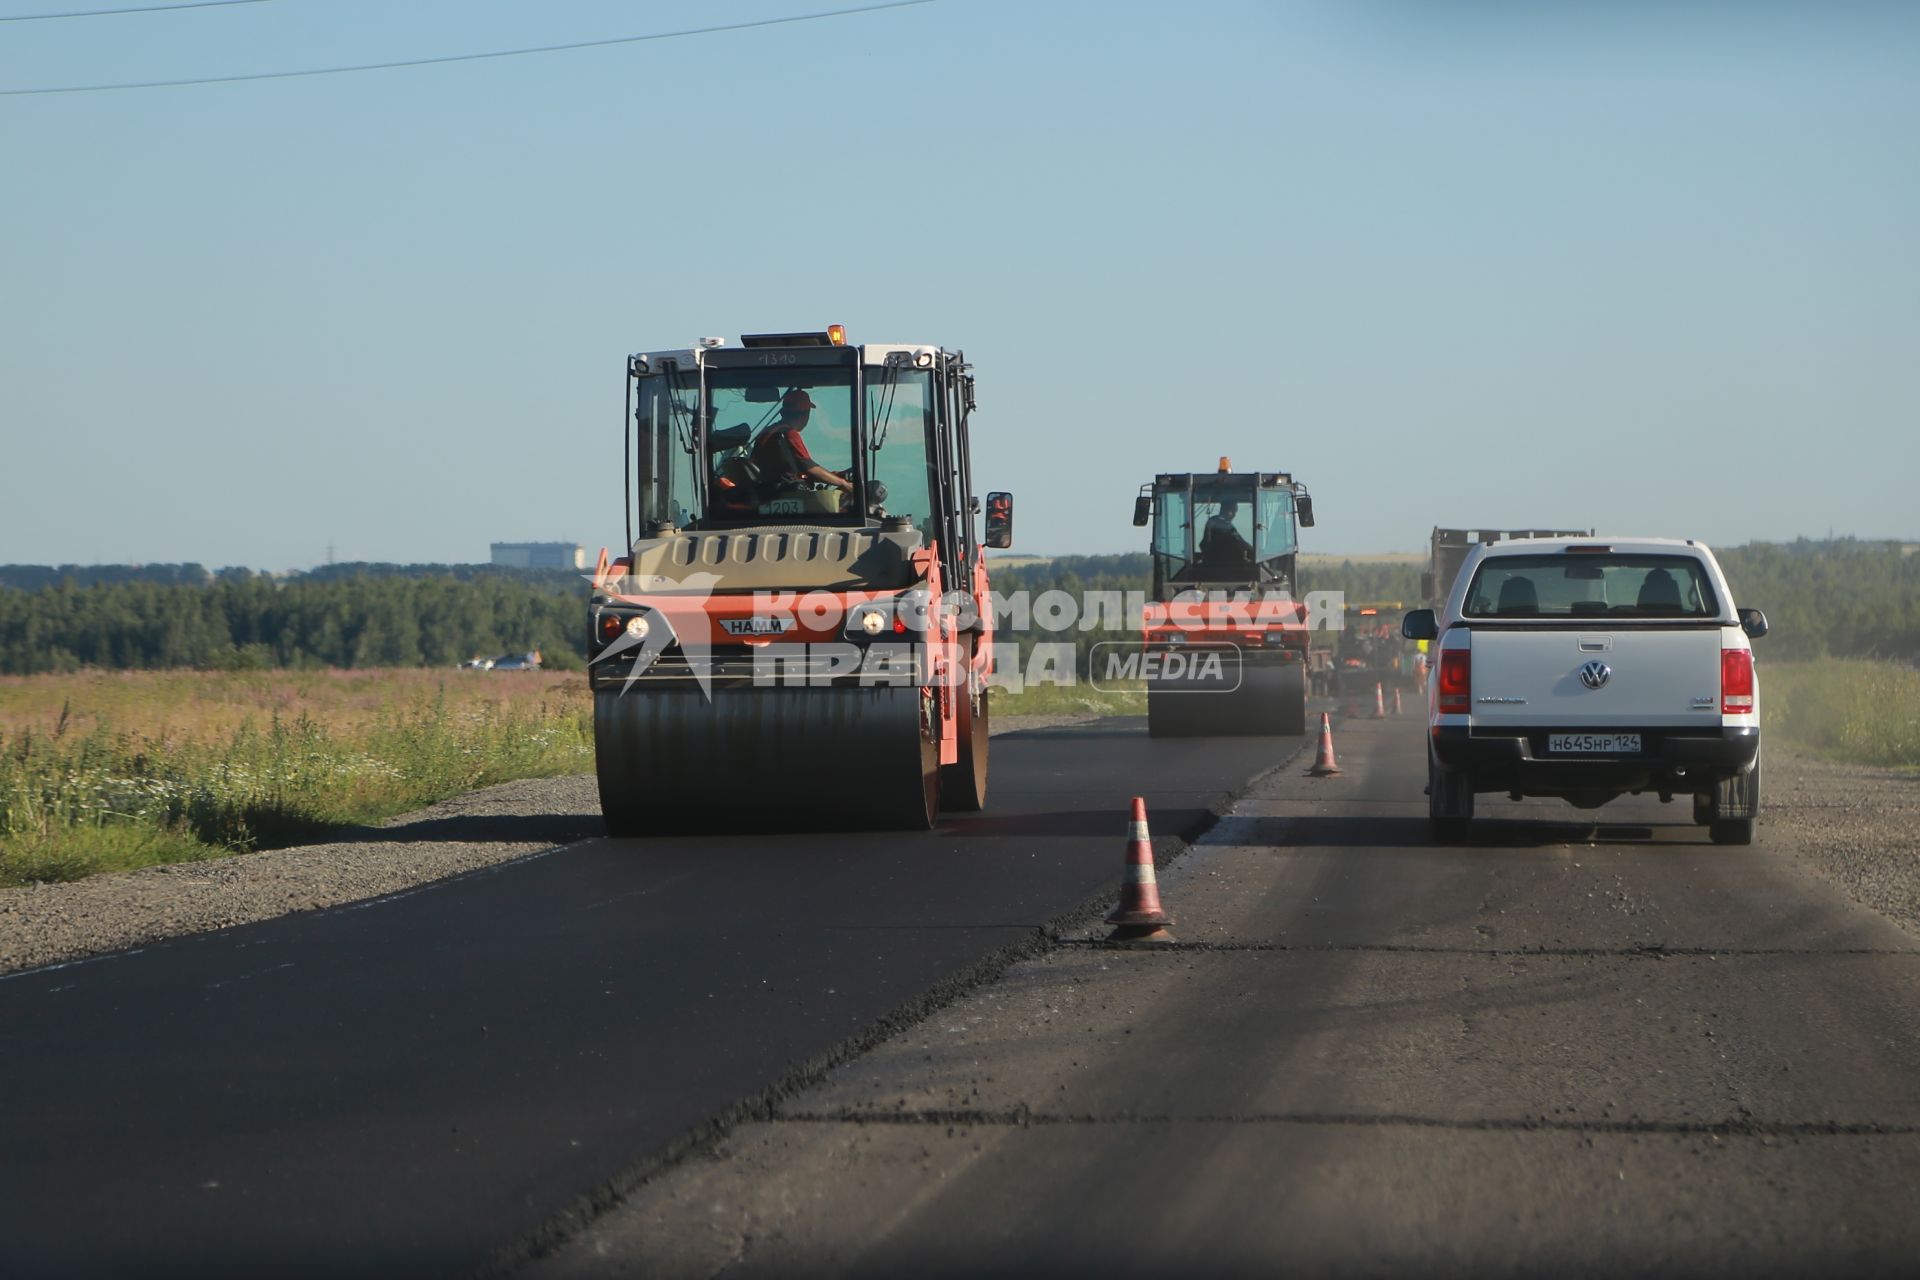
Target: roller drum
(669, 759)
(1270, 700)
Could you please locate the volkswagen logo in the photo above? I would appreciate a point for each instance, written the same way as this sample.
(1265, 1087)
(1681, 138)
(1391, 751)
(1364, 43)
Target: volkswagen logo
(1595, 674)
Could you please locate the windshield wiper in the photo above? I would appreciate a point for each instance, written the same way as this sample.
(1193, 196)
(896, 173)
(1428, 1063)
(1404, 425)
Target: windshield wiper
(889, 391)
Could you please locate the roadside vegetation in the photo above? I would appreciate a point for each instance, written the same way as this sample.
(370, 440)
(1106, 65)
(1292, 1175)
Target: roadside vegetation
(1071, 700)
(343, 616)
(110, 771)
(1850, 710)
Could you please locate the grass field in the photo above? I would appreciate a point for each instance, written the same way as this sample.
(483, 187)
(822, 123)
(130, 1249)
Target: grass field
(1845, 709)
(107, 771)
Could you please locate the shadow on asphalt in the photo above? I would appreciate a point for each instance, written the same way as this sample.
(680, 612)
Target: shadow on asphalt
(1368, 832)
(1076, 823)
(530, 828)
(1128, 727)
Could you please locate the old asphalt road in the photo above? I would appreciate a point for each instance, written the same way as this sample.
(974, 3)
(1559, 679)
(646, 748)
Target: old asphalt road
(414, 1083)
(1566, 1048)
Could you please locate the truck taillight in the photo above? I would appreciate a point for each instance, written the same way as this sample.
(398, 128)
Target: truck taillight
(1736, 682)
(1456, 681)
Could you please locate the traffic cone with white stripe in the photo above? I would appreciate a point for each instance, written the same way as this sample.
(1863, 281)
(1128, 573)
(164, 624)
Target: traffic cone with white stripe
(1379, 702)
(1396, 700)
(1139, 917)
(1324, 764)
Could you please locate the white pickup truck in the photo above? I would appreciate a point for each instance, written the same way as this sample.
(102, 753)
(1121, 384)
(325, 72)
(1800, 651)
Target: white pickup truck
(1588, 668)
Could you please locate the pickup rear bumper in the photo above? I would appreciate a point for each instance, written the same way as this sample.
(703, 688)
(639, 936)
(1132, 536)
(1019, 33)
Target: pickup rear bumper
(1516, 759)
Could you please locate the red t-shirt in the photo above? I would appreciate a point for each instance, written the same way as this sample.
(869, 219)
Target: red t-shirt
(783, 452)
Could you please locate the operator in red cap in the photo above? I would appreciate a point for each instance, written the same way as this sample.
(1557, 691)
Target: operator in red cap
(781, 456)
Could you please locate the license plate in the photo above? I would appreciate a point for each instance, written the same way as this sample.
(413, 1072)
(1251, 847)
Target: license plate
(1593, 744)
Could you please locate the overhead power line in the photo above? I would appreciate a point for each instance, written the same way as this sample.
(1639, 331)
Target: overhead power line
(111, 13)
(470, 57)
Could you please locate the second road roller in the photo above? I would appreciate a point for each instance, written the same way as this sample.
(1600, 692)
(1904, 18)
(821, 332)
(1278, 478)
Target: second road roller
(1226, 637)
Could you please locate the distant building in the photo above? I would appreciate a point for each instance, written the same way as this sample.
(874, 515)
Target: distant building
(540, 555)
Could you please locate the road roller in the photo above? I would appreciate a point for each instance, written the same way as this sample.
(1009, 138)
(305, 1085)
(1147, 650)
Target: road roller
(1225, 639)
(798, 634)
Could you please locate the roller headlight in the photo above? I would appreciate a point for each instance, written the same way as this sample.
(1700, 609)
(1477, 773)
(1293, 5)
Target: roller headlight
(873, 622)
(613, 625)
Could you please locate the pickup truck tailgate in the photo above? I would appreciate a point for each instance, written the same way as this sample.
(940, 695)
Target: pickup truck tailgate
(1653, 677)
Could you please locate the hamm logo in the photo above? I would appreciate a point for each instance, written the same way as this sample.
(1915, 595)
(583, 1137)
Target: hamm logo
(757, 626)
(1194, 669)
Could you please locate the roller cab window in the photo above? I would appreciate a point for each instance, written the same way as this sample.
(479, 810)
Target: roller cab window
(771, 435)
(899, 423)
(1223, 530)
(726, 446)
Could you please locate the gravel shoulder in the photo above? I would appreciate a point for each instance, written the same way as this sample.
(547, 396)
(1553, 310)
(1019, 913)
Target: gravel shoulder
(49, 924)
(1855, 826)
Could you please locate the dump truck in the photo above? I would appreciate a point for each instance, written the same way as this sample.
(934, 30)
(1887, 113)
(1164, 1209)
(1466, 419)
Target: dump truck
(797, 633)
(1225, 639)
(1447, 551)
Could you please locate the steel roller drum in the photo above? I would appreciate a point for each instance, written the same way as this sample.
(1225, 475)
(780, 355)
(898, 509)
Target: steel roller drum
(669, 759)
(1270, 700)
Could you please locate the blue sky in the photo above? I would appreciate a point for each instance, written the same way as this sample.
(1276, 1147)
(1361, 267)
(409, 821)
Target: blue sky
(1648, 267)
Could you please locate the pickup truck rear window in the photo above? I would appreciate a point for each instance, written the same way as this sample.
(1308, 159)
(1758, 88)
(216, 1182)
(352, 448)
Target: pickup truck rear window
(1588, 585)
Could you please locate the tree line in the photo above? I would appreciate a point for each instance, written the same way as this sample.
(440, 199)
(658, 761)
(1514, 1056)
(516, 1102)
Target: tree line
(1843, 598)
(433, 616)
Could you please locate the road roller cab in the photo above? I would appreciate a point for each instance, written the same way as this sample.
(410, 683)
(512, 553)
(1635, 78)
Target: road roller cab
(1225, 636)
(798, 633)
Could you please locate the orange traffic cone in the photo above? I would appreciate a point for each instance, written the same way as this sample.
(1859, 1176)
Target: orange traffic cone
(1379, 702)
(1139, 917)
(1396, 701)
(1324, 764)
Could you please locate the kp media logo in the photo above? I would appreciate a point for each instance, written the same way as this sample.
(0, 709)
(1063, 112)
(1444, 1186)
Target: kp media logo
(1190, 668)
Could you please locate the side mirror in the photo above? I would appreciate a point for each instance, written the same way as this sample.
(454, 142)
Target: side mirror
(999, 520)
(1420, 624)
(1303, 507)
(1142, 509)
(1753, 622)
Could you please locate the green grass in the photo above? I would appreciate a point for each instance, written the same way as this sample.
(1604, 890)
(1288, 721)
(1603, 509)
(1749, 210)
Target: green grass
(1080, 699)
(1844, 709)
(78, 801)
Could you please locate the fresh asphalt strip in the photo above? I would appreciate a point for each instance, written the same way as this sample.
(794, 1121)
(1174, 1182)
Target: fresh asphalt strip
(445, 1080)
